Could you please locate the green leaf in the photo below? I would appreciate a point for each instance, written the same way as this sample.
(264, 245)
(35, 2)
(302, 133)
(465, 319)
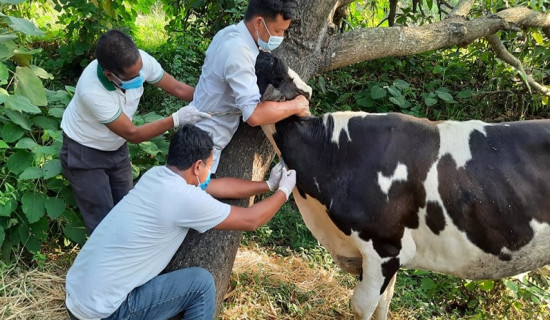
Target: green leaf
(430, 4)
(12, 132)
(21, 103)
(401, 84)
(31, 243)
(47, 150)
(19, 119)
(31, 173)
(135, 171)
(4, 73)
(538, 37)
(25, 26)
(7, 37)
(401, 102)
(41, 73)
(511, 285)
(430, 100)
(6, 209)
(56, 112)
(427, 284)
(486, 285)
(33, 205)
(322, 84)
(7, 49)
(3, 145)
(52, 168)
(4, 95)
(470, 285)
(394, 91)
(149, 147)
(26, 143)
(76, 233)
(40, 228)
(30, 86)
(46, 123)
(19, 161)
(54, 207)
(464, 94)
(377, 92)
(12, 1)
(445, 96)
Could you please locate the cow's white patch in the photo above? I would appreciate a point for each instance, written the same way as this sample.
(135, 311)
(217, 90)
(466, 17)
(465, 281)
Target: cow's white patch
(455, 139)
(299, 82)
(400, 174)
(341, 120)
(451, 251)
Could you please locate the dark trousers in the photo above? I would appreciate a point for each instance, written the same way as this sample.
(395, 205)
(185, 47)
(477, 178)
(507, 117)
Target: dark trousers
(99, 179)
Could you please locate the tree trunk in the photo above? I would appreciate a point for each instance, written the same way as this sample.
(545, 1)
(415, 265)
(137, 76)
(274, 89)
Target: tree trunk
(247, 156)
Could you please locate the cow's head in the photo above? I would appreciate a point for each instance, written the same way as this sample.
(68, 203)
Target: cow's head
(276, 81)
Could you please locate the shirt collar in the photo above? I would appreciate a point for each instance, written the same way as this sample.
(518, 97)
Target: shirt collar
(104, 81)
(243, 30)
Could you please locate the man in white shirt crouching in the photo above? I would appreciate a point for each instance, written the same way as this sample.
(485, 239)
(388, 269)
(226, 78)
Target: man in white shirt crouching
(116, 273)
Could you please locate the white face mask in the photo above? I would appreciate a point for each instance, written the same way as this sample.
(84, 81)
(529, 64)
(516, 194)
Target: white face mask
(272, 43)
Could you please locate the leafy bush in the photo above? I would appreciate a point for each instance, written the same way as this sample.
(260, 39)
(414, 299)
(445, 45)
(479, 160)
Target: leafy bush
(32, 194)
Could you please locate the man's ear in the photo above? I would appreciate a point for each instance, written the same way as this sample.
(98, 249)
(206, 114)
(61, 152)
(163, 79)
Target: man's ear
(196, 167)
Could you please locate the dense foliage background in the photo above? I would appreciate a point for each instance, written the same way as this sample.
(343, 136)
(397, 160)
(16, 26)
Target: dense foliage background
(45, 44)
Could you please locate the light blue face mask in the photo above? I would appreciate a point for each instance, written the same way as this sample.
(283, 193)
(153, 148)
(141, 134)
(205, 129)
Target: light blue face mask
(272, 43)
(204, 185)
(133, 83)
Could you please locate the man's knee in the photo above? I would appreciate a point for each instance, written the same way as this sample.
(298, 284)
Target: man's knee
(203, 276)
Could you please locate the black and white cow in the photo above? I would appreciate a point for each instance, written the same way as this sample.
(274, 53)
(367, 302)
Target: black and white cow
(384, 191)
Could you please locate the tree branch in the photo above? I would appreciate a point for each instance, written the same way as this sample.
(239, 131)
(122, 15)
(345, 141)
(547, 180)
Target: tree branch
(462, 9)
(369, 44)
(525, 17)
(506, 56)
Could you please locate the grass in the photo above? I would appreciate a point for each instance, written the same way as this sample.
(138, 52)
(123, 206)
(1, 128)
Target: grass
(268, 285)
(150, 32)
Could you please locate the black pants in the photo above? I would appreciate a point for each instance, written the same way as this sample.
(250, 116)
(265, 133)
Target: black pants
(99, 179)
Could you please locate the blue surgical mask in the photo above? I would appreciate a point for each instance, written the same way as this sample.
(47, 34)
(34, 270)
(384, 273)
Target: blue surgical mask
(272, 43)
(204, 185)
(133, 83)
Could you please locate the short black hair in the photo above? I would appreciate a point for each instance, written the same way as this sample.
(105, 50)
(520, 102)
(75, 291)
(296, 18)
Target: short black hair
(188, 145)
(269, 9)
(115, 51)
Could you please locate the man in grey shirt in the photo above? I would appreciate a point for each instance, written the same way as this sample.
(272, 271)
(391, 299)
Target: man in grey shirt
(227, 87)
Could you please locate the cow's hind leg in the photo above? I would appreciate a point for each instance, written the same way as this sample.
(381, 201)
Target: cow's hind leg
(383, 307)
(377, 280)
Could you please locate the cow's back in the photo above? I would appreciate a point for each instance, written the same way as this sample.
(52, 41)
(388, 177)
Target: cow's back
(461, 193)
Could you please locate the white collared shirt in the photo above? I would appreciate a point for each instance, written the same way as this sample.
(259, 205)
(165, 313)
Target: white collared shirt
(227, 86)
(97, 102)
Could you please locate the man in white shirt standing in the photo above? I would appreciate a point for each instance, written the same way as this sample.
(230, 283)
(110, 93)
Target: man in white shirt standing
(98, 122)
(116, 273)
(227, 86)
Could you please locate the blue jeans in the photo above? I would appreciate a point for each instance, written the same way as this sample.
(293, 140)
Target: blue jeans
(190, 291)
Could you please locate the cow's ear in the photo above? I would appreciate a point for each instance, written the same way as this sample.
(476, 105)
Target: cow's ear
(271, 94)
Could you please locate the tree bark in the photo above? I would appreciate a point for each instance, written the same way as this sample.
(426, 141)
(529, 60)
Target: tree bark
(247, 156)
